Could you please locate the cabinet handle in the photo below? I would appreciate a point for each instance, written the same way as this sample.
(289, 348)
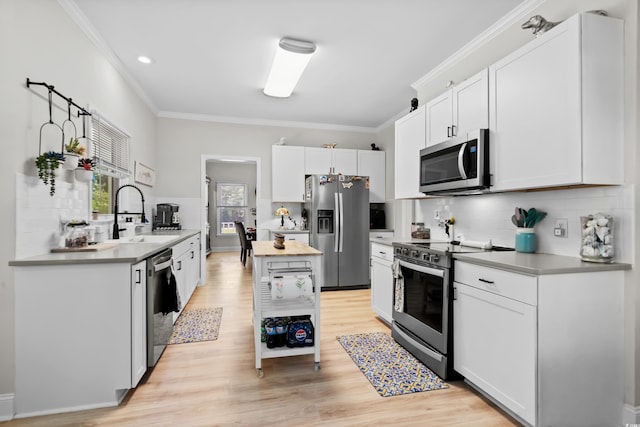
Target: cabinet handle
(192, 254)
(382, 253)
(139, 273)
(489, 282)
(455, 294)
(453, 130)
(448, 131)
(179, 265)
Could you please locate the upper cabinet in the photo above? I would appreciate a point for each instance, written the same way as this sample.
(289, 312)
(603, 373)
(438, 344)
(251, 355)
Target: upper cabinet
(462, 108)
(556, 108)
(320, 161)
(287, 173)
(372, 164)
(409, 140)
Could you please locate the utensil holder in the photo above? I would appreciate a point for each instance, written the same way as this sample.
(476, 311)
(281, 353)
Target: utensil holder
(525, 240)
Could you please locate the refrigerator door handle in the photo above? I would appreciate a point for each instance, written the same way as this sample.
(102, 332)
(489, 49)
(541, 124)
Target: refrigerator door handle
(341, 223)
(336, 223)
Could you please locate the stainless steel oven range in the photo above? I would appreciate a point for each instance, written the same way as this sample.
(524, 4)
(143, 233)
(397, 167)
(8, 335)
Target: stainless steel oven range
(423, 312)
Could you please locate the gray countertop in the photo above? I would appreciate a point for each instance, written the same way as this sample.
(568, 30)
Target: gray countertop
(123, 253)
(537, 264)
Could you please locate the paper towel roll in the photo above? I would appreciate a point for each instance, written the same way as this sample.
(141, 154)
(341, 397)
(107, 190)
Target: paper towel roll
(291, 287)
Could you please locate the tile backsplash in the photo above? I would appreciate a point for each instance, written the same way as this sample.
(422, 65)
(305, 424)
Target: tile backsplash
(488, 216)
(39, 216)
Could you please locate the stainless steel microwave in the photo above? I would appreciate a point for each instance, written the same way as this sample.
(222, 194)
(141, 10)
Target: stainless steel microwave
(457, 165)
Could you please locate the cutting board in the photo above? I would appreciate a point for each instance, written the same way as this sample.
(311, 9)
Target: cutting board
(90, 248)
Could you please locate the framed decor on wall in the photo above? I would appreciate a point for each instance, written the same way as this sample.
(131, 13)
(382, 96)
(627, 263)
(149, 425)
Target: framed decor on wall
(144, 174)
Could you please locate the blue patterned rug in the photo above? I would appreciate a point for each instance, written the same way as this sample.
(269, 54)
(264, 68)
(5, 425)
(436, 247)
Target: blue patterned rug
(198, 324)
(390, 368)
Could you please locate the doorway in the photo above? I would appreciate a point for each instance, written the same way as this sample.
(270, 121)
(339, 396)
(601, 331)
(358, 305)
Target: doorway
(232, 167)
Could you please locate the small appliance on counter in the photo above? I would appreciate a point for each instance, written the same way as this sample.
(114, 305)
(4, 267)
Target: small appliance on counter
(167, 217)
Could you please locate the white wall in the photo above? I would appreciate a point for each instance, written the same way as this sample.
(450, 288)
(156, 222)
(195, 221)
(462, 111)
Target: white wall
(39, 40)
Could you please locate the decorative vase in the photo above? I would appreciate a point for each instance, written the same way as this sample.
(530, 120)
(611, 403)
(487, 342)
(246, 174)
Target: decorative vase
(279, 241)
(597, 238)
(525, 240)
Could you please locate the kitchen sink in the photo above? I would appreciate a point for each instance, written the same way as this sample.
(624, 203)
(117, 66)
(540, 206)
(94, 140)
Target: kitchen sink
(145, 239)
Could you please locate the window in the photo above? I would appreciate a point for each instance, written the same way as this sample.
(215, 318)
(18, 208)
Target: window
(109, 148)
(232, 206)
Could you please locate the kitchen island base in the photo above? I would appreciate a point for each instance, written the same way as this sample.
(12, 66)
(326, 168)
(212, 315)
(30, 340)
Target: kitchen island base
(295, 259)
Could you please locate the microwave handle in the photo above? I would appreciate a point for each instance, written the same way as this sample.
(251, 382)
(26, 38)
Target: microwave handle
(463, 174)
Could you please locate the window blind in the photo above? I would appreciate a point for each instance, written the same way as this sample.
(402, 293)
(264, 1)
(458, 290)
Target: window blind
(109, 147)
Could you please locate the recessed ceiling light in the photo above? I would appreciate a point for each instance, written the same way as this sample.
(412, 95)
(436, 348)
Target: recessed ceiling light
(144, 59)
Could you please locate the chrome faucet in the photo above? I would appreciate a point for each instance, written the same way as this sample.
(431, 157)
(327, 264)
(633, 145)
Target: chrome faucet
(143, 219)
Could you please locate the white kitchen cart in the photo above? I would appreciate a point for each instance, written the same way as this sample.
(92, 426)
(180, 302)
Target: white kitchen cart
(295, 258)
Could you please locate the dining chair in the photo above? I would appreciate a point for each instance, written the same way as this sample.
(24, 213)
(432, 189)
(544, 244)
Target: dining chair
(245, 244)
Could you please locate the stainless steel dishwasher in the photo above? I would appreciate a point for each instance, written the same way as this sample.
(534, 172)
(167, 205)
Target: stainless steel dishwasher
(159, 323)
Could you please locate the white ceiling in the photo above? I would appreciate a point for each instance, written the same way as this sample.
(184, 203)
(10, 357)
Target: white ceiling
(211, 57)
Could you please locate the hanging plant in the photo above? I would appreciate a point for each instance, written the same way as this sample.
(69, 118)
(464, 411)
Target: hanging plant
(87, 164)
(47, 163)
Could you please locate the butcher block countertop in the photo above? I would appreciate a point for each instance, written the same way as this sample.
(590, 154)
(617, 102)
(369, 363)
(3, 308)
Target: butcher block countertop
(291, 248)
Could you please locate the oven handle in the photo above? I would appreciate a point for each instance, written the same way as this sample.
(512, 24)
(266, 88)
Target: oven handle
(422, 269)
(463, 174)
(427, 350)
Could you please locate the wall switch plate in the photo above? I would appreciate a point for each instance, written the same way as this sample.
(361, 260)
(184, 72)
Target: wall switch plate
(560, 228)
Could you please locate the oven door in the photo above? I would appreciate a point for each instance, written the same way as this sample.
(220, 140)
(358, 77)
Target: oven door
(425, 307)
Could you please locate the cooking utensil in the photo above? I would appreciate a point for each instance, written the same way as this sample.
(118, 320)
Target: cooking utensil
(515, 221)
(530, 217)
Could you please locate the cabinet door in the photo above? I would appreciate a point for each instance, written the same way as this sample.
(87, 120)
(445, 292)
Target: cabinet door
(317, 161)
(287, 173)
(138, 322)
(471, 104)
(495, 342)
(535, 106)
(372, 164)
(439, 119)
(382, 288)
(344, 161)
(410, 139)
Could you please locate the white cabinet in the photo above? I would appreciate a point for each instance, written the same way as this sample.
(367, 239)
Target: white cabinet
(462, 108)
(287, 173)
(138, 322)
(372, 164)
(556, 107)
(186, 262)
(330, 160)
(80, 335)
(382, 280)
(409, 140)
(538, 344)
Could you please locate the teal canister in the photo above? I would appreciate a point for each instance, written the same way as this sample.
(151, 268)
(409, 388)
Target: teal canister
(525, 240)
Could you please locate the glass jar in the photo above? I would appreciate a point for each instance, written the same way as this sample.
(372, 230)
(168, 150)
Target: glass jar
(76, 236)
(597, 238)
(525, 240)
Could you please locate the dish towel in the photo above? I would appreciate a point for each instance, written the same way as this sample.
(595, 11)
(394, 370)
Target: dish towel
(291, 287)
(398, 281)
(169, 298)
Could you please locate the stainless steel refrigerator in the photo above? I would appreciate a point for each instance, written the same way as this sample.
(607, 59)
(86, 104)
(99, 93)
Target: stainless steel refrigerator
(338, 216)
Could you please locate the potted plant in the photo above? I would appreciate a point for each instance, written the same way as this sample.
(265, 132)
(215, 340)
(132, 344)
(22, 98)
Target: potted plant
(47, 164)
(84, 172)
(73, 151)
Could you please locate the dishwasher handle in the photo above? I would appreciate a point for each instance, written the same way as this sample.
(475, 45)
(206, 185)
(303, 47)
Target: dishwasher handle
(162, 266)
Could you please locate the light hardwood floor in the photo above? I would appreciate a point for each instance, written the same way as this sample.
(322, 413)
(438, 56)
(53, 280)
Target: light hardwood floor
(215, 383)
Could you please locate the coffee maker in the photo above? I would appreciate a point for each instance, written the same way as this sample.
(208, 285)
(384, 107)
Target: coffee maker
(167, 217)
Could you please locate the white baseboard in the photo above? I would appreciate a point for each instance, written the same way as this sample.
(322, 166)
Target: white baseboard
(6, 406)
(630, 415)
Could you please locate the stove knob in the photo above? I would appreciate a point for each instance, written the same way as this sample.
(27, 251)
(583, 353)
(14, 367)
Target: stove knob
(415, 254)
(425, 257)
(434, 257)
(405, 251)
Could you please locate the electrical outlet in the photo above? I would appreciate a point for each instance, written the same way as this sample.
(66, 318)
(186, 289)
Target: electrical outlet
(561, 228)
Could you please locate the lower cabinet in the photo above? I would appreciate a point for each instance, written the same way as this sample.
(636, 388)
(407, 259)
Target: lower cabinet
(186, 266)
(382, 280)
(547, 348)
(80, 335)
(138, 321)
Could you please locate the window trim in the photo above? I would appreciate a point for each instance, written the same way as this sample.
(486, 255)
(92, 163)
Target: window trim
(220, 206)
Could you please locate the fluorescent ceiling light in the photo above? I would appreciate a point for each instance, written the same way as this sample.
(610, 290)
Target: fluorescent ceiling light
(144, 59)
(292, 57)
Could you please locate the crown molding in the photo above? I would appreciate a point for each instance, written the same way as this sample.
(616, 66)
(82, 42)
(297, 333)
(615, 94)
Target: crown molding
(263, 122)
(92, 34)
(513, 17)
